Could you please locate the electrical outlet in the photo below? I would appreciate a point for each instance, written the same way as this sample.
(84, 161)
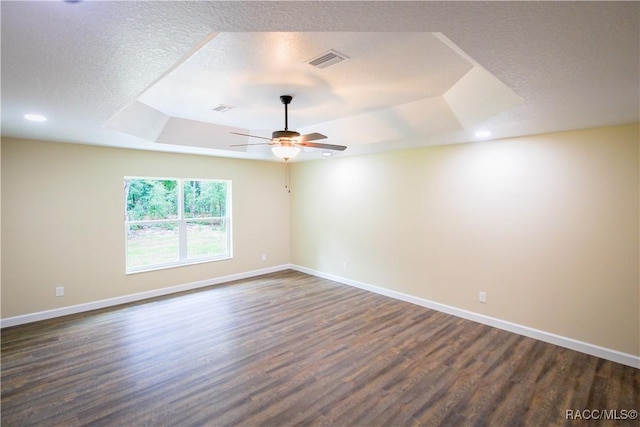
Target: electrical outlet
(60, 291)
(482, 297)
(344, 265)
(264, 257)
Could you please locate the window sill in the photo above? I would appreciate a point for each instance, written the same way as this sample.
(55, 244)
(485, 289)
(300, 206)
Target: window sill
(182, 264)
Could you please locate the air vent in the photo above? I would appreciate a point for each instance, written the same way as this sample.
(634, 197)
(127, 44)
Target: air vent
(327, 59)
(222, 108)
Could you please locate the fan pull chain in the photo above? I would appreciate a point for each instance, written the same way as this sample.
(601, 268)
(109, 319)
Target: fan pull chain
(287, 178)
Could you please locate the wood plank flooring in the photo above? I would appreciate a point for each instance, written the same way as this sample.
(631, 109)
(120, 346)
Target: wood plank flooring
(292, 349)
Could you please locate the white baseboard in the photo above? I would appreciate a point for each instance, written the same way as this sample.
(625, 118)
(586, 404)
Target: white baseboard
(570, 343)
(73, 309)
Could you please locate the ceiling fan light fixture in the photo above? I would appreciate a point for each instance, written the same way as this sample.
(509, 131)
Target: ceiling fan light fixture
(285, 152)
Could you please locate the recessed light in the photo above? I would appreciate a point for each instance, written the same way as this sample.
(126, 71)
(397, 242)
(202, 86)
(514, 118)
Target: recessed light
(483, 134)
(327, 154)
(35, 117)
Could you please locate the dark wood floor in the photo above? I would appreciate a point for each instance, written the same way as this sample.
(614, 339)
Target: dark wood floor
(291, 349)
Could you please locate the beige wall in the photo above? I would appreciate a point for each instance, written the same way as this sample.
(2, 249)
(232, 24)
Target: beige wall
(547, 225)
(63, 213)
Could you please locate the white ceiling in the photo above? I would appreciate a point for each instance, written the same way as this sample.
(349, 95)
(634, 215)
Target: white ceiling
(146, 74)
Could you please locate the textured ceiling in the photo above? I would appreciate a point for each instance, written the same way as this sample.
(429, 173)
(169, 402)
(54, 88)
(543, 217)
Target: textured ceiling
(146, 74)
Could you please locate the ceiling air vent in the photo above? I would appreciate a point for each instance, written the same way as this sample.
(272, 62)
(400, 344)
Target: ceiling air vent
(327, 59)
(222, 108)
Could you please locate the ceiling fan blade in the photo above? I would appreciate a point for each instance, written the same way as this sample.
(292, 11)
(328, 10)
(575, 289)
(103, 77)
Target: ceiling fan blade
(257, 143)
(312, 137)
(323, 146)
(252, 136)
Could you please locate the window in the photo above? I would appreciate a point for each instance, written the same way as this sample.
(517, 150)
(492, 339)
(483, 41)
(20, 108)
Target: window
(171, 222)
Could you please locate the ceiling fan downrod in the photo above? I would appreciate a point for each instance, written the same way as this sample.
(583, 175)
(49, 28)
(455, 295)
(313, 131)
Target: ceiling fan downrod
(286, 100)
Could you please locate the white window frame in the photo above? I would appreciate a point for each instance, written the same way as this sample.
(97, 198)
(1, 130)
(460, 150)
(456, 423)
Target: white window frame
(182, 221)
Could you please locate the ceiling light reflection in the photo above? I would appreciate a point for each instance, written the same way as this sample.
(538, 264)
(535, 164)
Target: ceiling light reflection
(35, 117)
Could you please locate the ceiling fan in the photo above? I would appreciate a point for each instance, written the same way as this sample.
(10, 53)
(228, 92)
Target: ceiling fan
(286, 143)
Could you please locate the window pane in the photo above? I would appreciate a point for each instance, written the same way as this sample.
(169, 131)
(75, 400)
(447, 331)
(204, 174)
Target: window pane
(152, 244)
(205, 199)
(151, 199)
(175, 222)
(207, 239)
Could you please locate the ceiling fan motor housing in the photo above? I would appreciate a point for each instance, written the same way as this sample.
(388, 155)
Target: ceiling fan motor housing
(284, 136)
